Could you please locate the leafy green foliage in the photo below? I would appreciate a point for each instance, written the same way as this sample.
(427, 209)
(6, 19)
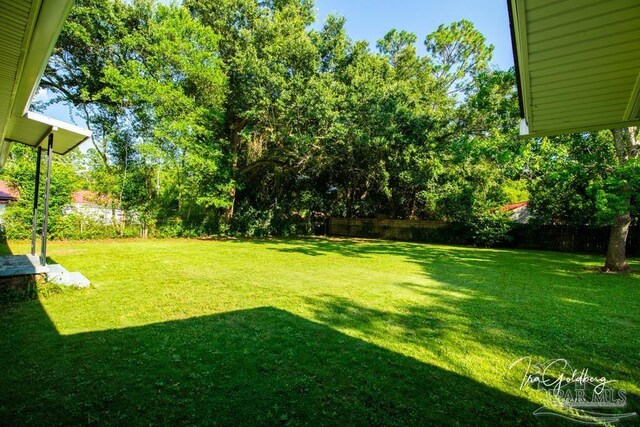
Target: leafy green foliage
(489, 229)
(567, 178)
(617, 193)
(147, 80)
(236, 116)
(20, 174)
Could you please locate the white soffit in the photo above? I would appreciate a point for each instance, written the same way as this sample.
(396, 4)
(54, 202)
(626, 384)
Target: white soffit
(33, 129)
(578, 64)
(28, 33)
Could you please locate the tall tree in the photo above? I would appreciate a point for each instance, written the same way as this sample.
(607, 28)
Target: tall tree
(627, 148)
(146, 79)
(268, 56)
(236, 110)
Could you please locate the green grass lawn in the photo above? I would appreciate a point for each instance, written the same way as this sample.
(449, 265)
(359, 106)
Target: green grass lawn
(311, 332)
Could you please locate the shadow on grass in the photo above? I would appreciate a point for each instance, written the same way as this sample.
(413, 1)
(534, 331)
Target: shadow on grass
(268, 366)
(257, 366)
(525, 303)
(4, 246)
(366, 248)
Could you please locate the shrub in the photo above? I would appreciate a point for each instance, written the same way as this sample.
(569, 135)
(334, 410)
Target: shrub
(176, 228)
(251, 222)
(16, 221)
(489, 229)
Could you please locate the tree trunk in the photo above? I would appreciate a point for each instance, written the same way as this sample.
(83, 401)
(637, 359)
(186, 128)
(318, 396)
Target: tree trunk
(236, 144)
(349, 203)
(414, 207)
(616, 251)
(627, 147)
(228, 215)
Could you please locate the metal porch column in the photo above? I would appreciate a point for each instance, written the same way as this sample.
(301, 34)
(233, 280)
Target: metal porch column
(45, 219)
(36, 194)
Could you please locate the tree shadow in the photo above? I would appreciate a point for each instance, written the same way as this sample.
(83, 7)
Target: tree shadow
(4, 246)
(414, 325)
(315, 246)
(462, 255)
(268, 366)
(521, 303)
(256, 366)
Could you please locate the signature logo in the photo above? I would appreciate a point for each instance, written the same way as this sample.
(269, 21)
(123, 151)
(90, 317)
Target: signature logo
(573, 394)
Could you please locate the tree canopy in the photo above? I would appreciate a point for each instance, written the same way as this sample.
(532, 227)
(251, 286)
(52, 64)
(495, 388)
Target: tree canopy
(240, 116)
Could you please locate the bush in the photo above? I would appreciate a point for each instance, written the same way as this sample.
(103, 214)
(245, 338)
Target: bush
(251, 222)
(176, 228)
(17, 222)
(490, 228)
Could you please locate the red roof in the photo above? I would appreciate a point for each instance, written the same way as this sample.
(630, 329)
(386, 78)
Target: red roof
(87, 197)
(7, 193)
(514, 206)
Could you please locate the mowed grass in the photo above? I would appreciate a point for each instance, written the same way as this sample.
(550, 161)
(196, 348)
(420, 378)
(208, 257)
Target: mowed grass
(310, 332)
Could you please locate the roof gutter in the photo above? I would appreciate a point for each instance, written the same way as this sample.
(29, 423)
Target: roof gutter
(516, 61)
(518, 32)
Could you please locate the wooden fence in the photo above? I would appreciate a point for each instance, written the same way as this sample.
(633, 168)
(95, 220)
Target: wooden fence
(564, 238)
(568, 238)
(395, 229)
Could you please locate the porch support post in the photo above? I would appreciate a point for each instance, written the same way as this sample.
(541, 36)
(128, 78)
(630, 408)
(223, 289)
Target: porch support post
(36, 193)
(45, 219)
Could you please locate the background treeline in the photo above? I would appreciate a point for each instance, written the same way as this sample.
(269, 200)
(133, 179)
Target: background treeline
(243, 116)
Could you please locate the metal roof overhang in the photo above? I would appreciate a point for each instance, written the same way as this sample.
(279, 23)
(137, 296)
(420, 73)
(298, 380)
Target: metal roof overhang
(577, 64)
(33, 129)
(28, 32)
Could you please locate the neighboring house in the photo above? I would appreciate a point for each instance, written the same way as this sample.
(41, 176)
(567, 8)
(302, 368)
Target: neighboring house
(7, 195)
(92, 205)
(86, 203)
(518, 212)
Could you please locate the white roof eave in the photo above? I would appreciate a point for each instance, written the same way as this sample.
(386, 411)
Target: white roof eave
(46, 19)
(550, 38)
